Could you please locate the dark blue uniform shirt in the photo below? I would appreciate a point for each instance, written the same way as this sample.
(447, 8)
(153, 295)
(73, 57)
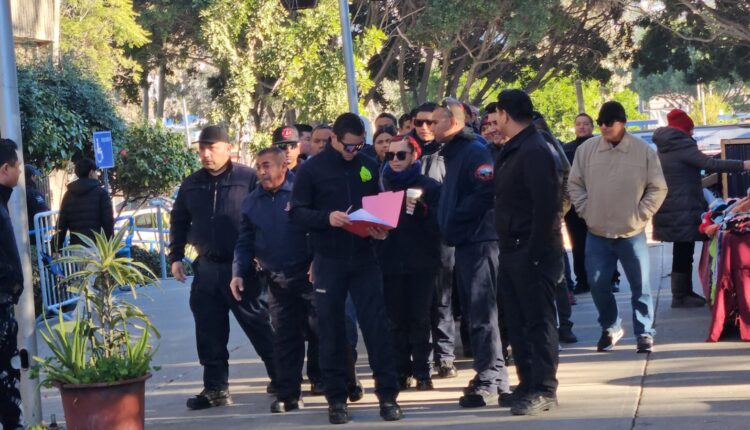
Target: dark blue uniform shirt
(267, 234)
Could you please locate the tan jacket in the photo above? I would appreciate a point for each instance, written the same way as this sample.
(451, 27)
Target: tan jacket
(616, 190)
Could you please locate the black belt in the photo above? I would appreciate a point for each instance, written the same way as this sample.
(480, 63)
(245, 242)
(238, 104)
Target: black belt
(216, 259)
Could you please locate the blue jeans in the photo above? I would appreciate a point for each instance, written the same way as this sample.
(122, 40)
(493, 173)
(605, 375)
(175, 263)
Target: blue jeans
(601, 262)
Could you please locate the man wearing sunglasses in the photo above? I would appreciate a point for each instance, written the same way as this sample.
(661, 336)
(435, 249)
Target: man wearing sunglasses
(287, 139)
(617, 185)
(326, 189)
(465, 216)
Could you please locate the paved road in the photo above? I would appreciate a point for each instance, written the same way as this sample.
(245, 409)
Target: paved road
(685, 384)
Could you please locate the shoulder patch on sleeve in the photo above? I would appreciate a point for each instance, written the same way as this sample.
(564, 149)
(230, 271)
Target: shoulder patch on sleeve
(485, 172)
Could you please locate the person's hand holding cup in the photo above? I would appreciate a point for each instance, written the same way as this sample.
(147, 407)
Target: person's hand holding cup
(412, 196)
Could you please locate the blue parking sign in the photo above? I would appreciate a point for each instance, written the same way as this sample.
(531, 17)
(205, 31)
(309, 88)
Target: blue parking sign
(103, 150)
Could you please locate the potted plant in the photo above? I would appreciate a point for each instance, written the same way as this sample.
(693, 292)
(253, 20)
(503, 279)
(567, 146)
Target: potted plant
(101, 361)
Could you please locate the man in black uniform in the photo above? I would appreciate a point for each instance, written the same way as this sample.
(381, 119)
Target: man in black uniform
(206, 214)
(282, 251)
(326, 188)
(11, 287)
(527, 203)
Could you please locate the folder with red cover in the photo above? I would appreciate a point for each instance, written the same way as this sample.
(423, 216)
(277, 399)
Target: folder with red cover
(381, 211)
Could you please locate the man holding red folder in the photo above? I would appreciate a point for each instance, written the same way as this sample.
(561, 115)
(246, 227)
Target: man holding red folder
(326, 187)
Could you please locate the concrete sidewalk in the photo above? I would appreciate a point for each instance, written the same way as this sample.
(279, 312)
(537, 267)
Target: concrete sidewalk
(686, 383)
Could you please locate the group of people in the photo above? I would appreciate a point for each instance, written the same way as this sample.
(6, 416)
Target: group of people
(479, 235)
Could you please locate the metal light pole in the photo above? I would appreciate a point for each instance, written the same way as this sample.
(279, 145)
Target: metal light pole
(346, 38)
(10, 127)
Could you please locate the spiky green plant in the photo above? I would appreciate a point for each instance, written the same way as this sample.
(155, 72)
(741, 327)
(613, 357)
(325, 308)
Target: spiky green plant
(101, 347)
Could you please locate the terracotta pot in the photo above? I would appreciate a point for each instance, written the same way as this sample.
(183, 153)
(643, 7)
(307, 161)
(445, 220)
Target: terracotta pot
(108, 405)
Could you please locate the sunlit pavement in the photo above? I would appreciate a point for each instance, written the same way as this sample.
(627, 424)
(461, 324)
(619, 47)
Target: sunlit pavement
(685, 384)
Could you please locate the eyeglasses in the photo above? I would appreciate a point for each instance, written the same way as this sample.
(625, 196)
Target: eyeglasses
(401, 155)
(421, 122)
(353, 147)
(607, 123)
(284, 146)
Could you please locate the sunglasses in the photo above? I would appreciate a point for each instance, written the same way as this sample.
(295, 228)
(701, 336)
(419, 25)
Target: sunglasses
(284, 146)
(607, 123)
(353, 147)
(401, 155)
(421, 122)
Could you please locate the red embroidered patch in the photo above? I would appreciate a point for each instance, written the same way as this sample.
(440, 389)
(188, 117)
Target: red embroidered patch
(485, 172)
(286, 132)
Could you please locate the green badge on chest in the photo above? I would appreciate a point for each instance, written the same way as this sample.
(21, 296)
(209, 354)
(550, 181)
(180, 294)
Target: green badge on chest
(365, 174)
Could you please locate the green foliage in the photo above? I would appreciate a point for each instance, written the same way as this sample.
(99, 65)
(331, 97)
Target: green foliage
(101, 346)
(151, 161)
(558, 103)
(60, 110)
(152, 260)
(715, 106)
(95, 34)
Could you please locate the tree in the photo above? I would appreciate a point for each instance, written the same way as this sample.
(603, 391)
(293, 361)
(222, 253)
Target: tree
(150, 162)
(95, 34)
(60, 110)
(671, 85)
(481, 44)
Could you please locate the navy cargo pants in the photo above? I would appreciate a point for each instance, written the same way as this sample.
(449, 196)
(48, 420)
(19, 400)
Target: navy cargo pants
(362, 278)
(477, 274)
(211, 301)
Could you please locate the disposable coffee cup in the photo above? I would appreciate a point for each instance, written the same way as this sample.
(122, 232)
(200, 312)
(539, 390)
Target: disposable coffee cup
(412, 195)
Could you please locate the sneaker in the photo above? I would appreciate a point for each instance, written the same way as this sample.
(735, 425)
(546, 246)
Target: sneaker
(425, 384)
(645, 344)
(390, 411)
(609, 340)
(281, 406)
(209, 399)
(534, 404)
(566, 335)
(338, 413)
(471, 387)
(478, 398)
(317, 389)
(447, 369)
(270, 388)
(507, 400)
(356, 392)
(405, 382)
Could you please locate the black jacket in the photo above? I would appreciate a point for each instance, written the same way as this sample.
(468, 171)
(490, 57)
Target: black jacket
(465, 210)
(35, 203)
(681, 161)
(328, 183)
(268, 235)
(11, 272)
(414, 246)
(527, 195)
(571, 147)
(85, 209)
(207, 213)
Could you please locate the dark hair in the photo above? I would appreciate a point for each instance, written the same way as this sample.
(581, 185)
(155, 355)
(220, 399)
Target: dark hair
(540, 123)
(389, 116)
(385, 129)
(321, 127)
(424, 107)
(490, 108)
(402, 119)
(591, 120)
(348, 123)
(467, 110)
(517, 104)
(84, 166)
(8, 153)
(272, 150)
(302, 128)
(612, 111)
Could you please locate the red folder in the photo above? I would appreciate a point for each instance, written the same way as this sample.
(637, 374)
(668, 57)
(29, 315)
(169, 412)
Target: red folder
(381, 211)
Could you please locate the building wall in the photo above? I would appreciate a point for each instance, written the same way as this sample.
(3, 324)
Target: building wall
(35, 20)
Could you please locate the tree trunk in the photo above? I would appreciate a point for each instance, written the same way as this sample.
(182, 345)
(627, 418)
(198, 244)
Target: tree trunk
(401, 79)
(145, 102)
(160, 93)
(422, 89)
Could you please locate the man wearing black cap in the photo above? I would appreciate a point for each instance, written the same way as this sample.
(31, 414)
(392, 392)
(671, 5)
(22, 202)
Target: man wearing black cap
(286, 138)
(527, 204)
(617, 185)
(326, 189)
(207, 215)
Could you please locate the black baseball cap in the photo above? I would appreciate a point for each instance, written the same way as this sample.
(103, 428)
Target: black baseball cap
(285, 134)
(212, 134)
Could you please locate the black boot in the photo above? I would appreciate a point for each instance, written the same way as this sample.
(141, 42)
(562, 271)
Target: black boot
(682, 292)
